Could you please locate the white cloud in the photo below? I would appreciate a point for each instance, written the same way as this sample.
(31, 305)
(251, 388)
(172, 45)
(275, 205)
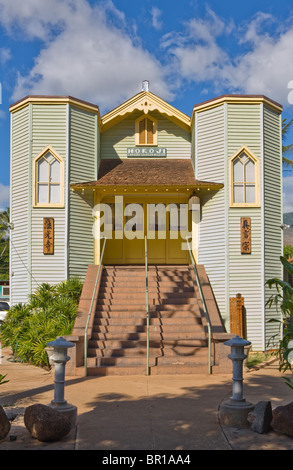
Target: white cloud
(4, 196)
(156, 15)
(265, 66)
(288, 194)
(89, 52)
(5, 55)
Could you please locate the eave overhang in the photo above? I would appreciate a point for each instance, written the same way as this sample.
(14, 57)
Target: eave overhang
(145, 102)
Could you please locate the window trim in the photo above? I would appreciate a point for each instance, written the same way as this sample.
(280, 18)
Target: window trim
(250, 155)
(137, 134)
(36, 204)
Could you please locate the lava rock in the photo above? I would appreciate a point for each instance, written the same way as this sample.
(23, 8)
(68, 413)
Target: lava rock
(282, 421)
(261, 417)
(46, 424)
(4, 424)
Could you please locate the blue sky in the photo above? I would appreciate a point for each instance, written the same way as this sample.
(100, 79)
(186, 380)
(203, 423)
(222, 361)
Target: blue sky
(100, 51)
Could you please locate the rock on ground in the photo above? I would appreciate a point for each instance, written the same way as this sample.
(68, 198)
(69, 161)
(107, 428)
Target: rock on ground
(4, 423)
(283, 419)
(46, 424)
(261, 417)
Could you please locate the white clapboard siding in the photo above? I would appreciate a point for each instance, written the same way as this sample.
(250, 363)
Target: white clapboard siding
(116, 140)
(19, 206)
(273, 216)
(83, 167)
(210, 166)
(49, 127)
(245, 271)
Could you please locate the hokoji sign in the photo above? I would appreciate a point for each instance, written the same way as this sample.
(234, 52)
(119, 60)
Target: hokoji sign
(146, 152)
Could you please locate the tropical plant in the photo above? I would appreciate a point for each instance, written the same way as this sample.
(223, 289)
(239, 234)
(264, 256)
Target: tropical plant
(50, 312)
(288, 251)
(4, 224)
(287, 150)
(282, 299)
(4, 244)
(2, 381)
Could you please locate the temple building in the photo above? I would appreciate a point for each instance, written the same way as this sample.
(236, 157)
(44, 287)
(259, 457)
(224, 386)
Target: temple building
(147, 182)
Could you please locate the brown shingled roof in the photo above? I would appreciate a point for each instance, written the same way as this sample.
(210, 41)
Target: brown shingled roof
(143, 172)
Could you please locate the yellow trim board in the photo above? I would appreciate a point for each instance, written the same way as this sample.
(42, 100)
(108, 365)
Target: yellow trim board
(52, 100)
(48, 149)
(145, 101)
(244, 149)
(236, 99)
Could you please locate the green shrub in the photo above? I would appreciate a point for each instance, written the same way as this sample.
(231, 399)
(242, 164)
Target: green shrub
(283, 300)
(50, 312)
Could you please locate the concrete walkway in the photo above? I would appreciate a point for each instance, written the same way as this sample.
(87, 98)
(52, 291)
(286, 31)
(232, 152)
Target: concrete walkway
(151, 413)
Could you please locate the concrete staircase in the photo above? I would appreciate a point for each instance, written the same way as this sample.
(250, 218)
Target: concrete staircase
(177, 333)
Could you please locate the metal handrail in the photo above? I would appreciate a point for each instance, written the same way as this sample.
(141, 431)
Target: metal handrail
(90, 310)
(203, 303)
(147, 305)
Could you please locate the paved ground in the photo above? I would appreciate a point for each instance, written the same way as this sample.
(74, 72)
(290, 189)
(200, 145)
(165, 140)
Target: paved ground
(152, 413)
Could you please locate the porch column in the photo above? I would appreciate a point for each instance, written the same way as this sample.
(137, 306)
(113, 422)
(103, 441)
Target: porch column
(96, 228)
(194, 206)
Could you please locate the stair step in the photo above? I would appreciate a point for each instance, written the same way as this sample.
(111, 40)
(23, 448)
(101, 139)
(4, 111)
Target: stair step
(141, 284)
(141, 313)
(121, 361)
(153, 308)
(115, 370)
(123, 352)
(120, 370)
(153, 336)
(135, 301)
(127, 329)
(122, 295)
(139, 343)
(177, 339)
(120, 343)
(187, 320)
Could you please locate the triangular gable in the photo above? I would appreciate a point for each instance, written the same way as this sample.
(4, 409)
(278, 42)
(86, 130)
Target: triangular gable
(145, 101)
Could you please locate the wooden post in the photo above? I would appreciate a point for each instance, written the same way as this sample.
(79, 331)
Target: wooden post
(237, 319)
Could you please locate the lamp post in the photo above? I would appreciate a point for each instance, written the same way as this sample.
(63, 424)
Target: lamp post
(234, 412)
(60, 358)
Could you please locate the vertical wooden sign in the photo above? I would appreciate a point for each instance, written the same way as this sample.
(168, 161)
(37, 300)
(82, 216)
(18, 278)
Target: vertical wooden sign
(237, 319)
(48, 236)
(245, 235)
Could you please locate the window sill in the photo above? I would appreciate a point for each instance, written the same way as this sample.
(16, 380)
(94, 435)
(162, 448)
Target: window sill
(48, 206)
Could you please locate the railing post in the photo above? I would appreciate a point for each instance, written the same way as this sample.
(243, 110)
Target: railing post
(147, 306)
(203, 304)
(90, 310)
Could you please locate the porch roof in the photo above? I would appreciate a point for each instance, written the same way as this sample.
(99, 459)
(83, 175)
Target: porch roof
(146, 172)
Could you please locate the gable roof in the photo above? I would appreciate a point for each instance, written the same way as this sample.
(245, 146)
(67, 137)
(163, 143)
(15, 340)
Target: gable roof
(145, 101)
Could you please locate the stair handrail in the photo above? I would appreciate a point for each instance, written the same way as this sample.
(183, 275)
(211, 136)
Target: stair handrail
(203, 302)
(91, 306)
(147, 305)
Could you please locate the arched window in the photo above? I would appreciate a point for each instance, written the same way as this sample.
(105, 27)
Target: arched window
(48, 179)
(146, 131)
(244, 184)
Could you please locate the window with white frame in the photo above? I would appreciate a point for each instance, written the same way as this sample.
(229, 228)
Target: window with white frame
(48, 180)
(244, 180)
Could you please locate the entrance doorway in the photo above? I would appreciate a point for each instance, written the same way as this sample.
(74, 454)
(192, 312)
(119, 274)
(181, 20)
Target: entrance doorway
(126, 222)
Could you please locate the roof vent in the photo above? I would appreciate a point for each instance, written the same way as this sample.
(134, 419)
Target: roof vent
(145, 85)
